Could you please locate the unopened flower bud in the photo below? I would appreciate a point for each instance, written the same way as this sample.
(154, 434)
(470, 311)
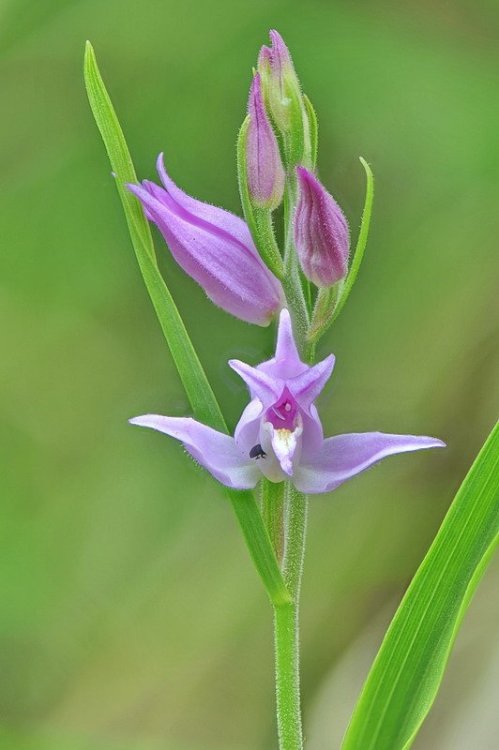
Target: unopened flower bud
(265, 173)
(283, 97)
(214, 247)
(280, 81)
(321, 232)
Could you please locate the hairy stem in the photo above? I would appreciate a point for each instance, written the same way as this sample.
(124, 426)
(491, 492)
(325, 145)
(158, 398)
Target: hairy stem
(273, 498)
(286, 627)
(295, 539)
(291, 281)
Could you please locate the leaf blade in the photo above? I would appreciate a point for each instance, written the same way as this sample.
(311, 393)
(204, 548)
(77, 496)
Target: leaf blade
(191, 372)
(406, 674)
(361, 241)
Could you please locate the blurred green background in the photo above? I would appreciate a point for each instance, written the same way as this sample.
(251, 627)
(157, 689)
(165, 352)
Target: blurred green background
(131, 617)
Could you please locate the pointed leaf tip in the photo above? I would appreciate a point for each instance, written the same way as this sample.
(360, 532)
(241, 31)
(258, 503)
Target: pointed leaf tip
(190, 370)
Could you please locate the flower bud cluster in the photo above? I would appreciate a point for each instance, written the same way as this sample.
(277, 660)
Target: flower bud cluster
(238, 263)
(320, 230)
(284, 99)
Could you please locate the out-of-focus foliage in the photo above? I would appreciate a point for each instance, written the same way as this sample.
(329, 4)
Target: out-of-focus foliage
(131, 617)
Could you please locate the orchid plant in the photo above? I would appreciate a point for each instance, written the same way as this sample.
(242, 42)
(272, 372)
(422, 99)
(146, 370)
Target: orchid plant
(278, 455)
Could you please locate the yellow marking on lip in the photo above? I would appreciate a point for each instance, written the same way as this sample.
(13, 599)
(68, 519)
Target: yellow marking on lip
(283, 434)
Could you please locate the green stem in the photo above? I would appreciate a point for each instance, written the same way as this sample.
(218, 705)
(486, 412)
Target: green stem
(287, 668)
(358, 256)
(266, 242)
(325, 305)
(286, 627)
(273, 498)
(291, 281)
(295, 539)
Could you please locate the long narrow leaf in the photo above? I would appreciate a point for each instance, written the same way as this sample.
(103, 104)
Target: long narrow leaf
(405, 677)
(192, 375)
(361, 241)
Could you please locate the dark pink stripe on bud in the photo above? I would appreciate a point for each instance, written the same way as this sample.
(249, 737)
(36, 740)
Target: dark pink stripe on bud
(265, 172)
(322, 237)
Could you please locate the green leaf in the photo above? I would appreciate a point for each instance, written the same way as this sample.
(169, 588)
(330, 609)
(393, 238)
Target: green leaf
(361, 241)
(186, 360)
(405, 677)
(313, 130)
(192, 375)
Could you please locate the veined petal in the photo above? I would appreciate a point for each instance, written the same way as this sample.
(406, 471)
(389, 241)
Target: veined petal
(321, 232)
(157, 192)
(219, 218)
(286, 363)
(218, 453)
(344, 456)
(233, 276)
(260, 385)
(265, 172)
(307, 386)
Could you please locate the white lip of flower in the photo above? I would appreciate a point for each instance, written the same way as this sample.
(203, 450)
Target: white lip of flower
(282, 448)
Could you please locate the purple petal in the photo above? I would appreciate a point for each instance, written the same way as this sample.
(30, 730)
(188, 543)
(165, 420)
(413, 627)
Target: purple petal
(218, 453)
(321, 232)
(285, 348)
(307, 386)
(248, 427)
(284, 414)
(344, 456)
(265, 173)
(233, 275)
(286, 363)
(313, 435)
(280, 53)
(280, 83)
(219, 218)
(264, 58)
(261, 385)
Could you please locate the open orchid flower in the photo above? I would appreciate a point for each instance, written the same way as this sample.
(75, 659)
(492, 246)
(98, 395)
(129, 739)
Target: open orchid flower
(279, 434)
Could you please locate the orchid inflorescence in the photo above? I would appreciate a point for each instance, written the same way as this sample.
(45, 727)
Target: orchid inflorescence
(278, 444)
(279, 435)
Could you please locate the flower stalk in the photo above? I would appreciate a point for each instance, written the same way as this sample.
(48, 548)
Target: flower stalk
(293, 288)
(287, 627)
(287, 674)
(273, 503)
(285, 515)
